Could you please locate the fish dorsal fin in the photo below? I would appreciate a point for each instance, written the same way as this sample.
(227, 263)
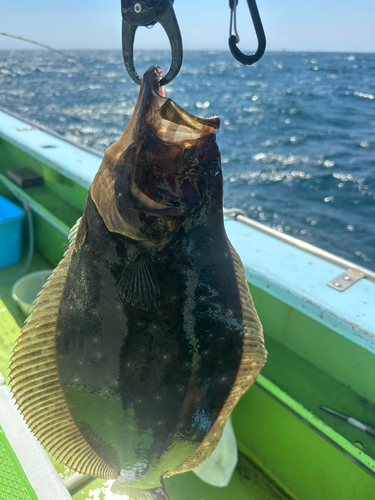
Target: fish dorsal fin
(139, 284)
(254, 356)
(36, 386)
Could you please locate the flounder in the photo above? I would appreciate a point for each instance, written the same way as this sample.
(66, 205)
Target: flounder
(145, 336)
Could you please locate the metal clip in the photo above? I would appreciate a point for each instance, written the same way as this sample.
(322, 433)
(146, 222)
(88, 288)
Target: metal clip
(147, 13)
(345, 280)
(234, 37)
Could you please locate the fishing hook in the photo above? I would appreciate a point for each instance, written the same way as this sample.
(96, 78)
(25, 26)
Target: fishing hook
(234, 37)
(137, 13)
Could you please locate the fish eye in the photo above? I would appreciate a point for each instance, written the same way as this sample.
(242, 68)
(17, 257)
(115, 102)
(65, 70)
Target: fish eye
(190, 156)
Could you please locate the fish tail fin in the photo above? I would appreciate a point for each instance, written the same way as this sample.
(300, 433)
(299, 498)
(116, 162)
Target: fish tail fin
(137, 494)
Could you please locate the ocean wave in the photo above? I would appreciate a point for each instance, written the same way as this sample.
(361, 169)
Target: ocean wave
(267, 176)
(364, 95)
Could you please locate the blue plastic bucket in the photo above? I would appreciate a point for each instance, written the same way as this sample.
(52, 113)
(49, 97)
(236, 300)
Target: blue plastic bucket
(11, 217)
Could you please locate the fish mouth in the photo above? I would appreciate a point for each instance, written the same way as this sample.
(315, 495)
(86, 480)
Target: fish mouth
(159, 118)
(159, 169)
(170, 122)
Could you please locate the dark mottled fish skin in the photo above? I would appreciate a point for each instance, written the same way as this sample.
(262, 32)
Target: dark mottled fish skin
(166, 363)
(154, 336)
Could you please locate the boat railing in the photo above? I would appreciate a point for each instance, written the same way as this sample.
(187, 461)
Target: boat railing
(359, 271)
(39, 126)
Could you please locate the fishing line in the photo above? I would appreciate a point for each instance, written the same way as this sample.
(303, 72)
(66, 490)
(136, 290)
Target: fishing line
(99, 76)
(69, 58)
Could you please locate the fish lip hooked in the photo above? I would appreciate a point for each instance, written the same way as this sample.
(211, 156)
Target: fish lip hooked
(158, 118)
(149, 91)
(151, 79)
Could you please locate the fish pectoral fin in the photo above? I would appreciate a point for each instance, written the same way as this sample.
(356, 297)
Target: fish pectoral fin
(138, 284)
(137, 494)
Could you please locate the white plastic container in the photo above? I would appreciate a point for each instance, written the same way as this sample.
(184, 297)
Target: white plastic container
(26, 289)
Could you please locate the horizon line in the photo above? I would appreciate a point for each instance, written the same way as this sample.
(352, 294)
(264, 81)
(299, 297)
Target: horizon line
(200, 50)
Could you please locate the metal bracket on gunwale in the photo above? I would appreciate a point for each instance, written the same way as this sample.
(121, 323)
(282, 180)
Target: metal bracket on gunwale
(345, 280)
(353, 273)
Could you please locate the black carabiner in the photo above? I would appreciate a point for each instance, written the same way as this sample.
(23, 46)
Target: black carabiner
(234, 38)
(137, 13)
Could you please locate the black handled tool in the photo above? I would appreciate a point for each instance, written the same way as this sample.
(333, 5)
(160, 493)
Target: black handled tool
(350, 420)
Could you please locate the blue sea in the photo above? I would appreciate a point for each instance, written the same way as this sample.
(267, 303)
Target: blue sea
(297, 134)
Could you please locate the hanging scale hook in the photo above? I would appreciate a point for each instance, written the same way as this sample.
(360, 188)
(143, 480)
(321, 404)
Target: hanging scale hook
(137, 13)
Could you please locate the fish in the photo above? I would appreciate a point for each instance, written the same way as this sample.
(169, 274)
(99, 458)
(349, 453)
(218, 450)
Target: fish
(145, 336)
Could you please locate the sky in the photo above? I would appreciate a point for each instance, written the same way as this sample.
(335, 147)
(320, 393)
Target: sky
(292, 25)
